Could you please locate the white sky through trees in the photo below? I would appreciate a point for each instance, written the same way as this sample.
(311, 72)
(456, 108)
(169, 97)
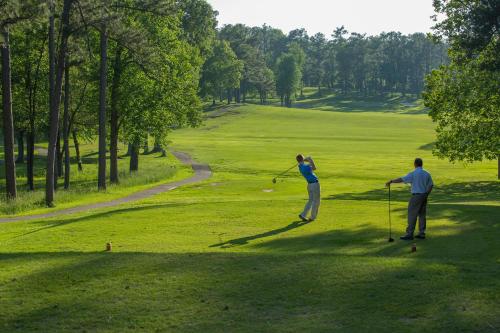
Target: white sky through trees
(363, 16)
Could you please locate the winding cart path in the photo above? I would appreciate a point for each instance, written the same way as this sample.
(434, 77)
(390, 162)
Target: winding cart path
(201, 172)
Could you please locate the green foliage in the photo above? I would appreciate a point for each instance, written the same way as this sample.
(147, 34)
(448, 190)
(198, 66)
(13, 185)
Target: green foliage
(465, 104)
(351, 63)
(198, 24)
(470, 27)
(464, 96)
(159, 48)
(288, 78)
(30, 86)
(221, 71)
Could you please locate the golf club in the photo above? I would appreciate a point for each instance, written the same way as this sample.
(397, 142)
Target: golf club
(283, 173)
(390, 240)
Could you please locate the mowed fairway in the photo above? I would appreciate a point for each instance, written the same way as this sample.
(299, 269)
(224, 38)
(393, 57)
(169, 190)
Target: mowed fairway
(229, 255)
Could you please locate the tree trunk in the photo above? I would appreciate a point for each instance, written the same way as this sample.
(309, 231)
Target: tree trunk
(213, 102)
(238, 95)
(101, 183)
(8, 121)
(498, 167)
(55, 97)
(59, 155)
(115, 96)
(129, 150)
(66, 129)
(134, 158)
(158, 148)
(146, 145)
(20, 147)
(229, 97)
(30, 145)
(53, 123)
(30, 137)
(77, 150)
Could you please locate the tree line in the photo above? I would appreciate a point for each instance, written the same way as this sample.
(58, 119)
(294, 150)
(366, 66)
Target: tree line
(122, 70)
(263, 61)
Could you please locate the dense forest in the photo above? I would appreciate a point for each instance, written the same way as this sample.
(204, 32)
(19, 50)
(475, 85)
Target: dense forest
(126, 71)
(265, 61)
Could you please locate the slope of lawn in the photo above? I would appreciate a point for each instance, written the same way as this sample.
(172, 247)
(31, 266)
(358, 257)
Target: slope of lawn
(228, 254)
(153, 169)
(333, 100)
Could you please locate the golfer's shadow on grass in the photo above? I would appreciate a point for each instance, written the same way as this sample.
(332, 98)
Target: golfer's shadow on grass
(245, 240)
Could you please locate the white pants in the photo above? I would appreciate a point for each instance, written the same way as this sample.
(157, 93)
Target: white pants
(313, 202)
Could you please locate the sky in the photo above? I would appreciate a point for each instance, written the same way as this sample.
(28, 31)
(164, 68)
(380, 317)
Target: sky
(363, 16)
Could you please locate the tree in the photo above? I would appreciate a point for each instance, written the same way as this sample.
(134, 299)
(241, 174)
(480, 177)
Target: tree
(288, 77)
(317, 56)
(11, 13)
(8, 122)
(464, 97)
(296, 50)
(199, 24)
(29, 85)
(222, 70)
(103, 79)
(55, 98)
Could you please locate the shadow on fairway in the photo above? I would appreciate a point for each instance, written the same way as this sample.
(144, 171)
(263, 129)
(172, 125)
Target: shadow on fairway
(456, 192)
(245, 240)
(244, 292)
(357, 103)
(469, 235)
(428, 146)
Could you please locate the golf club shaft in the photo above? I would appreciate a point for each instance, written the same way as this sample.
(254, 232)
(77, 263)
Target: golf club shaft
(283, 173)
(390, 222)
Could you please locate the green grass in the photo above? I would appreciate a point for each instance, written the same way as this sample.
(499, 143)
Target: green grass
(153, 170)
(330, 100)
(226, 256)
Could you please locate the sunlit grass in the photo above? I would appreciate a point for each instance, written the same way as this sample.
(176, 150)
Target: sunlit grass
(225, 256)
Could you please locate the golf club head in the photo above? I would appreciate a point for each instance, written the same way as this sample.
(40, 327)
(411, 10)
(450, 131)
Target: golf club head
(391, 240)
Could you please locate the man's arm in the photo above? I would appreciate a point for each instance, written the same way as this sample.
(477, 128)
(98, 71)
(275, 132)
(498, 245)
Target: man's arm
(430, 185)
(397, 180)
(310, 160)
(429, 190)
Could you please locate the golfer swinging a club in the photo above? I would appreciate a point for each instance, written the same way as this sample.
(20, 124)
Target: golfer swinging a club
(307, 170)
(421, 187)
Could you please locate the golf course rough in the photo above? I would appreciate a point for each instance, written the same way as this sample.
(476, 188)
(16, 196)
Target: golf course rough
(232, 258)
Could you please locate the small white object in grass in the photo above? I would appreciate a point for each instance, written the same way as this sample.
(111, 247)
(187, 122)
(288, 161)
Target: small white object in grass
(267, 190)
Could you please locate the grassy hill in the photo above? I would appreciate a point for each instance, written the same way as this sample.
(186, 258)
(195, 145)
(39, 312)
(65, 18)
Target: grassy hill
(332, 100)
(228, 254)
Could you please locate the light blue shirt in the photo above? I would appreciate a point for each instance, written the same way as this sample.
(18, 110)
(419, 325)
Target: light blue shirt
(420, 180)
(307, 171)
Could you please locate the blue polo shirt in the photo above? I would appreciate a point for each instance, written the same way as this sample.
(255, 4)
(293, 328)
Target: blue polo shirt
(420, 181)
(307, 171)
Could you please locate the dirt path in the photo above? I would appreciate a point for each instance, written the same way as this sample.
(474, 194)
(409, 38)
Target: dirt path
(201, 172)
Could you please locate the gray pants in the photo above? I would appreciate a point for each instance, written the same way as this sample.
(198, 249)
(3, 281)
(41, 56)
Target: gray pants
(417, 207)
(313, 202)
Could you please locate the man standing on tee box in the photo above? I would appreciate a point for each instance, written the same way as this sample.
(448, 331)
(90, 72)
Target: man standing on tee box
(307, 170)
(421, 187)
